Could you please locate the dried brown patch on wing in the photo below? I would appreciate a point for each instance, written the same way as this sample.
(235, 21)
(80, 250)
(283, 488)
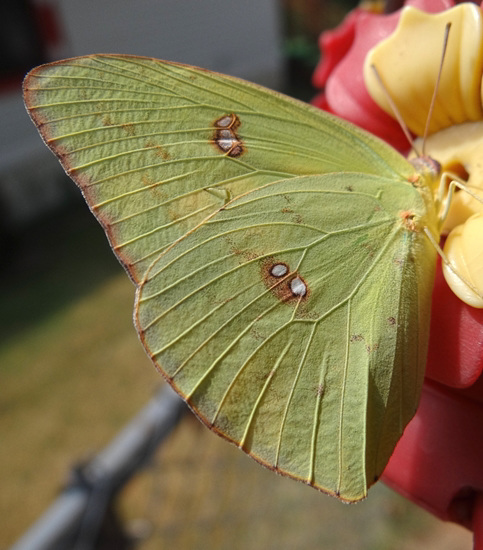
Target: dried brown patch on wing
(147, 180)
(40, 121)
(158, 149)
(246, 255)
(129, 128)
(64, 156)
(370, 348)
(153, 187)
(320, 390)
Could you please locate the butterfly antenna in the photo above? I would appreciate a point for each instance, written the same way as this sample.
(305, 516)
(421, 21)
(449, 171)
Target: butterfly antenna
(436, 86)
(395, 111)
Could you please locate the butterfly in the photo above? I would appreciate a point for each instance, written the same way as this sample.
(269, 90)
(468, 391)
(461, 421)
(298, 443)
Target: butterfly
(282, 268)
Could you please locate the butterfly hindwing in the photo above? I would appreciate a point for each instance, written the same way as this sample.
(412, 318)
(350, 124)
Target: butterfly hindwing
(290, 321)
(156, 147)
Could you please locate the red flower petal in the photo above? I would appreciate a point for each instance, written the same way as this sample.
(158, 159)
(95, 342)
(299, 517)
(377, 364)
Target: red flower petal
(437, 462)
(455, 356)
(334, 45)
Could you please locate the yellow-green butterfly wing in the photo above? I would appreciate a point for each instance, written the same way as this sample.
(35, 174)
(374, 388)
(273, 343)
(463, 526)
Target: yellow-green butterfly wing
(142, 140)
(295, 322)
(284, 279)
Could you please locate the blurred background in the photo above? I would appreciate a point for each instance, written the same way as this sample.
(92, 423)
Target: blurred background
(72, 371)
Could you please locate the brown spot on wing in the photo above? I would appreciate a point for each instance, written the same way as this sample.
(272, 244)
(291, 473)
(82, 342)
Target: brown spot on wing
(147, 180)
(226, 138)
(153, 187)
(288, 288)
(372, 348)
(244, 254)
(129, 129)
(159, 150)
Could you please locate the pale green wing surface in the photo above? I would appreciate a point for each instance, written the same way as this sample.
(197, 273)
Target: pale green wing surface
(295, 323)
(156, 147)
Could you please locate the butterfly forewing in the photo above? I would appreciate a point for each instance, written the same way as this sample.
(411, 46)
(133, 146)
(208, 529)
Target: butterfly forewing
(149, 143)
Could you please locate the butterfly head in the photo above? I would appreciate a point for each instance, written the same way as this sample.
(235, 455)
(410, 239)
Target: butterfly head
(428, 167)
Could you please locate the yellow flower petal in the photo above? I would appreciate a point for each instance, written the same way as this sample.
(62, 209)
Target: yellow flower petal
(408, 62)
(464, 250)
(459, 149)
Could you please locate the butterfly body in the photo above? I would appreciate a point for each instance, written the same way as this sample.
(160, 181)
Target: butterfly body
(283, 275)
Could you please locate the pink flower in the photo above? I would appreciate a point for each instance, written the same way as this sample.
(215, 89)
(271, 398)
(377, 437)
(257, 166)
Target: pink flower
(445, 437)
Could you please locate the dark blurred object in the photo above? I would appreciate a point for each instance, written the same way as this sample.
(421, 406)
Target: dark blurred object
(84, 515)
(27, 31)
(302, 23)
